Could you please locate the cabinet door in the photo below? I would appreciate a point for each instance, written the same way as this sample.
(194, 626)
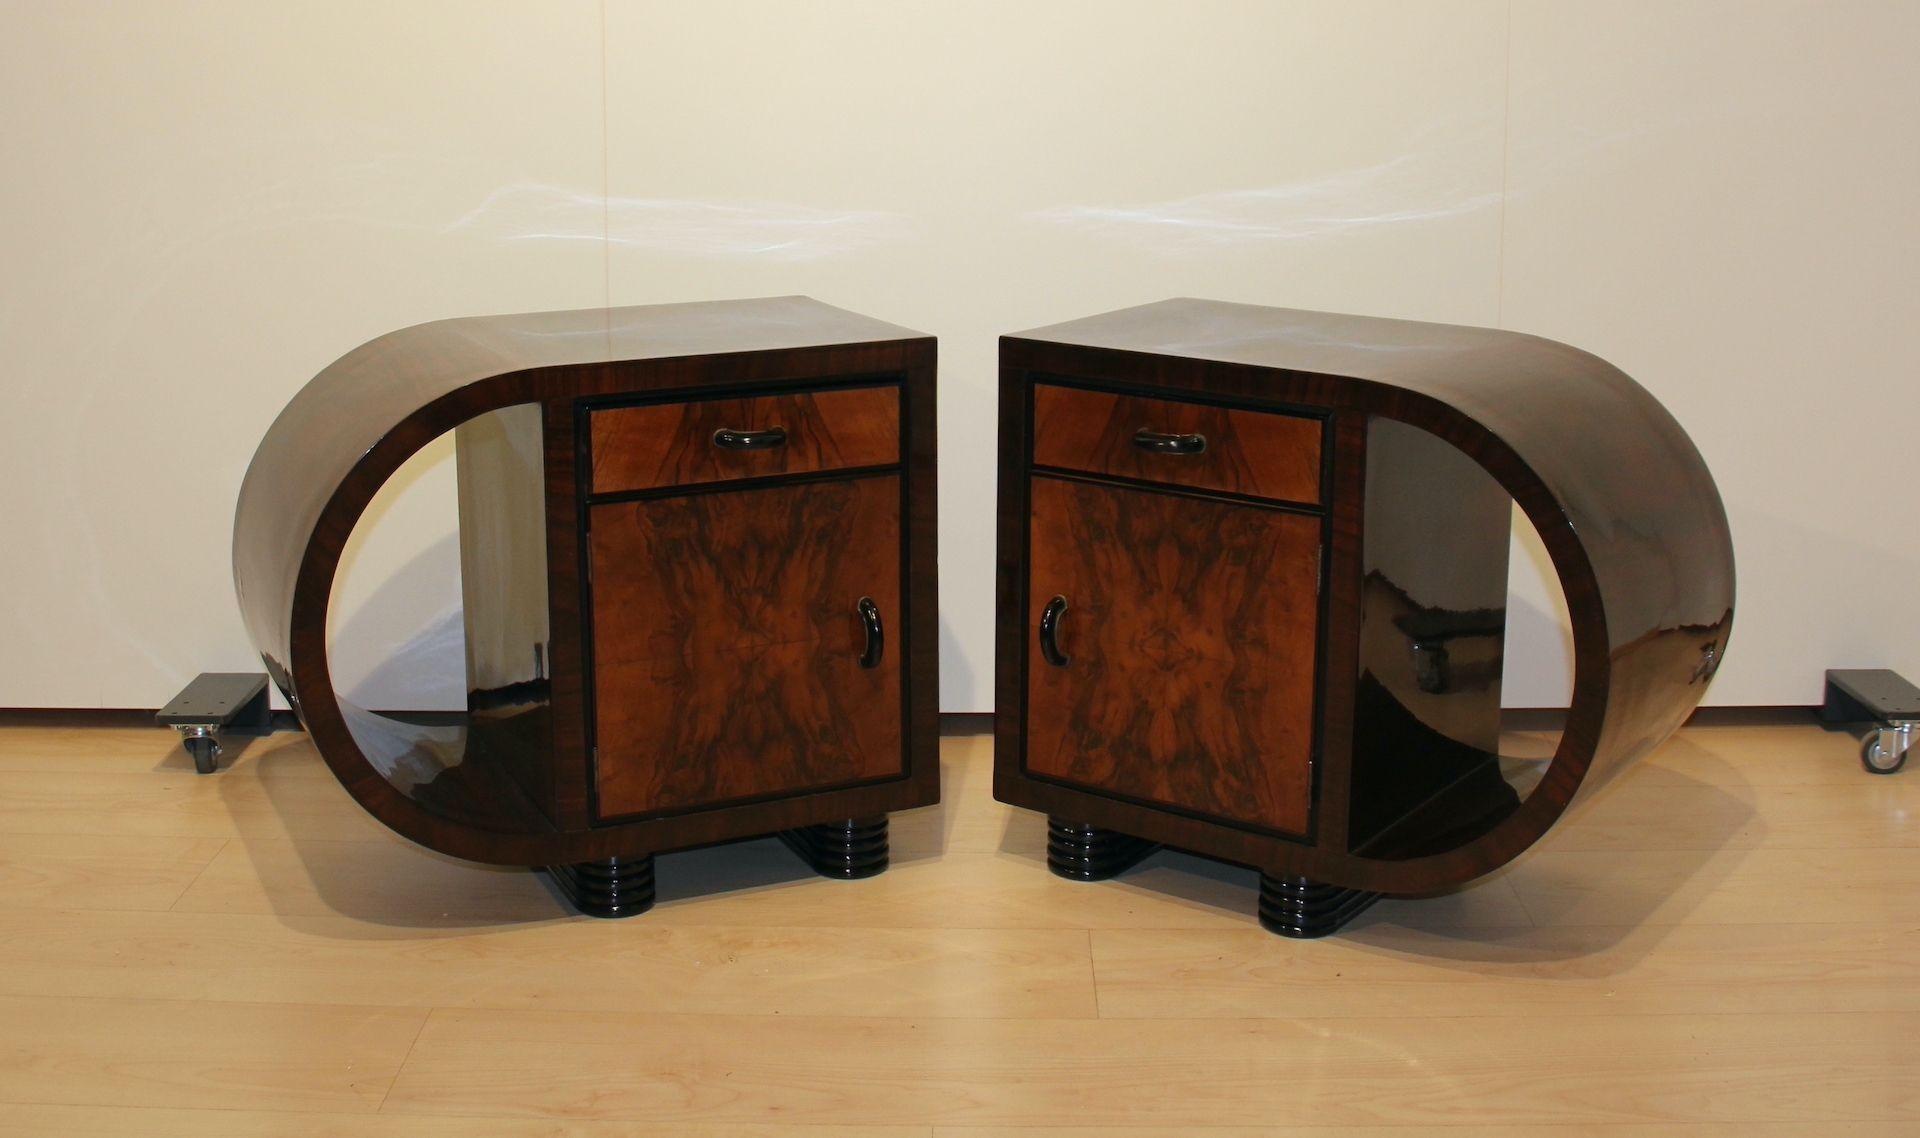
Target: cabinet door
(731, 657)
(1180, 670)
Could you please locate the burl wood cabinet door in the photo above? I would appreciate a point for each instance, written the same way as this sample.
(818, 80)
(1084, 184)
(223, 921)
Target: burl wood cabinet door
(1172, 652)
(732, 660)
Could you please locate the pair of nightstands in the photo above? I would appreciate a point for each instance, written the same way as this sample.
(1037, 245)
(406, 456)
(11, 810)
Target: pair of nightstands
(1251, 586)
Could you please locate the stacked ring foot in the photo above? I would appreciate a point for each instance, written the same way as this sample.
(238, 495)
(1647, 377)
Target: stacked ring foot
(610, 887)
(847, 850)
(1089, 853)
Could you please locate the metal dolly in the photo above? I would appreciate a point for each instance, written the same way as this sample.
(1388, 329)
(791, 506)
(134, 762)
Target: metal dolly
(1883, 700)
(216, 704)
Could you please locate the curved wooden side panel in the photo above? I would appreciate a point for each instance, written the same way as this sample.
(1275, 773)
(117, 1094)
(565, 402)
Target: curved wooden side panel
(1619, 494)
(349, 429)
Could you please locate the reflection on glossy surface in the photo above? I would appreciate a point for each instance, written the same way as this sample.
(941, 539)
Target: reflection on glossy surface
(407, 754)
(1432, 629)
(510, 785)
(503, 583)
(1625, 508)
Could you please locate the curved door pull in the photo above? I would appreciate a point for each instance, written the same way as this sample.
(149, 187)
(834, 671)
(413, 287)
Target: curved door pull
(727, 439)
(1161, 443)
(876, 636)
(1050, 631)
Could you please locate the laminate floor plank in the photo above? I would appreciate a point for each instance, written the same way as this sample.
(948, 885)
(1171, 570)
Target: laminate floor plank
(582, 965)
(1726, 940)
(97, 871)
(162, 1053)
(37, 1121)
(1534, 1071)
(1377, 969)
(1459, 1130)
(226, 805)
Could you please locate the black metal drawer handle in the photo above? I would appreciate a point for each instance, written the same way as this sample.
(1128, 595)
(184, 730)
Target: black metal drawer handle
(1160, 443)
(876, 635)
(1050, 632)
(750, 440)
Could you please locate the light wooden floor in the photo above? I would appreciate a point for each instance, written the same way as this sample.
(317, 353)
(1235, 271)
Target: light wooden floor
(1726, 943)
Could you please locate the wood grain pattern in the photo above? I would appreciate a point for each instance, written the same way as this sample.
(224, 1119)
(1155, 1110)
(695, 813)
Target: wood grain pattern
(1259, 453)
(727, 644)
(671, 444)
(1720, 1009)
(1562, 970)
(1175, 1073)
(639, 967)
(167, 1053)
(1623, 502)
(50, 870)
(1191, 635)
(38, 1121)
(320, 466)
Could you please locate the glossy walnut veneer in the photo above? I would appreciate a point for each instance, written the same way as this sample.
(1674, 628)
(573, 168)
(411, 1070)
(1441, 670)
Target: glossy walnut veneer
(1261, 454)
(672, 444)
(554, 408)
(1190, 640)
(1390, 455)
(727, 647)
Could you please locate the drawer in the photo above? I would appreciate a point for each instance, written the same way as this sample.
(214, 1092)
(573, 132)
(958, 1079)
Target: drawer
(1263, 454)
(717, 440)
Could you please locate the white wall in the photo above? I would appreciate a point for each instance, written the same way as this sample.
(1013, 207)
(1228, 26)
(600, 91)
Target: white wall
(205, 203)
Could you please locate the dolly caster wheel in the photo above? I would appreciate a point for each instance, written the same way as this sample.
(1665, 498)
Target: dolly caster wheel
(205, 750)
(1885, 751)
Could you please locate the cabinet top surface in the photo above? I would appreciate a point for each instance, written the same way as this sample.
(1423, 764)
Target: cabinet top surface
(1323, 343)
(643, 332)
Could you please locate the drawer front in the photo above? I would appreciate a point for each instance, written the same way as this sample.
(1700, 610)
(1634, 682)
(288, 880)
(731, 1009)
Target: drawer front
(1263, 454)
(730, 657)
(1177, 667)
(717, 440)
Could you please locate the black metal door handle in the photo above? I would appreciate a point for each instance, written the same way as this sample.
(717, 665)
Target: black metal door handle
(876, 635)
(750, 440)
(1160, 443)
(1050, 632)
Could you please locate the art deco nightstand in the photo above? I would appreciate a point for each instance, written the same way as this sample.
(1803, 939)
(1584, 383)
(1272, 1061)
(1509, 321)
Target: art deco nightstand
(1252, 590)
(698, 563)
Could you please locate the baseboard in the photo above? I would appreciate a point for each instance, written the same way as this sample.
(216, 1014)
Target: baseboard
(952, 723)
(1555, 718)
(106, 717)
(966, 723)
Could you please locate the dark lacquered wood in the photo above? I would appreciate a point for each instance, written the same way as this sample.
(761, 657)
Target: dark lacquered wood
(1435, 529)
(1190, 638)
(611, 887)
(500, 472)
(846, 850)
(1623, 503)
(673, 444)
(1088, 853)
(727, 646)
(1258, 453)
(353, 425)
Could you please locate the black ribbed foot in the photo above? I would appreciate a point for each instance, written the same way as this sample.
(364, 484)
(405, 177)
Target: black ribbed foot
(610, 887)
(1298, 907)
(1089, 853)
(854, 848)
